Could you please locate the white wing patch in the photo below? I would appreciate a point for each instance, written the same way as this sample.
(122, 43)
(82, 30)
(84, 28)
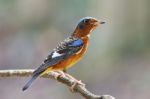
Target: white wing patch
(55, 54)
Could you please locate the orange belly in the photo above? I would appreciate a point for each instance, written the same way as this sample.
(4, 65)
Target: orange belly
(68, 63)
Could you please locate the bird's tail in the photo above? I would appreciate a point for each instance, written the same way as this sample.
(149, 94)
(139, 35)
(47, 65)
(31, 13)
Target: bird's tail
(30, 82)
(36, 73)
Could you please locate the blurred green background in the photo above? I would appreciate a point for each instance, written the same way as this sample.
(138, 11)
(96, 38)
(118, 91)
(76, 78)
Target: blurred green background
(117, 61)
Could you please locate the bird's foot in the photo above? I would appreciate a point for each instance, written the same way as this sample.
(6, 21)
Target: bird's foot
(60, 74)
(76, 82)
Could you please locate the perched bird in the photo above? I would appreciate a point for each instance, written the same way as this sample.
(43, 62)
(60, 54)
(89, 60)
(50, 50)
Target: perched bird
(68, 52)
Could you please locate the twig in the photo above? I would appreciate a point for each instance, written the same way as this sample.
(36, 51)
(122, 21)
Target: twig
(63, 79)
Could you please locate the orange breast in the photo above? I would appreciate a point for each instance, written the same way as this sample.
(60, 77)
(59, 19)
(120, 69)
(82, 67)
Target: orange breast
(73, 59)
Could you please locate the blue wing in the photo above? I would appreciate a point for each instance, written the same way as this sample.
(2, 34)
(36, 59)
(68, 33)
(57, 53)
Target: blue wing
(76, 43)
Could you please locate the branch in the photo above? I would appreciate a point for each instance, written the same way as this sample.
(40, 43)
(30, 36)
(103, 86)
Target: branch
(63, 79)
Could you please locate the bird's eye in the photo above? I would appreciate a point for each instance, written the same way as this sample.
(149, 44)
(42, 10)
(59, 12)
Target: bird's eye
(86, 20)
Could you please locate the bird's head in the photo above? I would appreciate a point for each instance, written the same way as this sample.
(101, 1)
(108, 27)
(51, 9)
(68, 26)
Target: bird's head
(86, 25)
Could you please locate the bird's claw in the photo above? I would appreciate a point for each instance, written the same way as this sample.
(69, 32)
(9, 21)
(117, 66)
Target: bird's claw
(60, 74)
(75, 83)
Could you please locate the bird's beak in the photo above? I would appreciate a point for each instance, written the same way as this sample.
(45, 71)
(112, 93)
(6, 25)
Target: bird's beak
(102, 22)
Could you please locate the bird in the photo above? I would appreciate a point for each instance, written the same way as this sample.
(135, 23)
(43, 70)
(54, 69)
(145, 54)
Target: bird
(69, 51)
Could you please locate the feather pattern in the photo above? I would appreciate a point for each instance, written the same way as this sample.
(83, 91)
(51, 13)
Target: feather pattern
(64, 50)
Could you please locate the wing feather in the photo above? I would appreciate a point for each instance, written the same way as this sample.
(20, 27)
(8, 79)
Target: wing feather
(64, 50)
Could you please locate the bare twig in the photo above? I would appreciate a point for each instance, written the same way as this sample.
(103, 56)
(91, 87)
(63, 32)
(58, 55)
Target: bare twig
(63, 79)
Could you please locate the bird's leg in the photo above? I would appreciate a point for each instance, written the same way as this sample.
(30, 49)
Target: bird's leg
(61, 74)
(76, 82)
